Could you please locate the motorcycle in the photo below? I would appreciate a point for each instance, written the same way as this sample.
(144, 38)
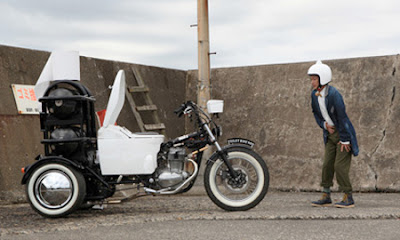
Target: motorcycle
(82, 166)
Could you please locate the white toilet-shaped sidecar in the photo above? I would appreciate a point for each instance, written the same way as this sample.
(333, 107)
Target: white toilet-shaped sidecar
(120, 151)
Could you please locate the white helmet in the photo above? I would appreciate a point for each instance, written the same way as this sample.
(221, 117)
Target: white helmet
(323, 71)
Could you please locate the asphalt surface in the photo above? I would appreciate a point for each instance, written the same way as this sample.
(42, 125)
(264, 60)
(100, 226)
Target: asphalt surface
(277, 214)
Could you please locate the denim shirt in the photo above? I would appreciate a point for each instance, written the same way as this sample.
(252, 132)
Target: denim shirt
(337, 112)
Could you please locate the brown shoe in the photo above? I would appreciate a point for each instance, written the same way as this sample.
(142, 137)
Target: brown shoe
(325, 201)
(347, 201)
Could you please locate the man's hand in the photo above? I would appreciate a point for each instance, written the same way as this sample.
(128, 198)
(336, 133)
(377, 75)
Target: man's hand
(347, 147)
(331, 129)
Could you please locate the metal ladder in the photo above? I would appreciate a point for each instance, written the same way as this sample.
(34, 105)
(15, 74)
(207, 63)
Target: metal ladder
(141, 88)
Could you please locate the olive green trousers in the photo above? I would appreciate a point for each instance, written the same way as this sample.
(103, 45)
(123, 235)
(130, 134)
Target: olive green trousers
(336, 161)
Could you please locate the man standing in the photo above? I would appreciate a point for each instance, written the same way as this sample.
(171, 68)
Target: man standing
(339, 135)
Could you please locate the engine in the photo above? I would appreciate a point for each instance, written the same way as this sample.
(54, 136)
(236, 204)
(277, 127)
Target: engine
(172, 173)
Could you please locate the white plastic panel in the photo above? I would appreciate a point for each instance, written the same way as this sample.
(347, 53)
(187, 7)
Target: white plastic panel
(117, 99)
(61, 65)
(66, 65)
(124, 153)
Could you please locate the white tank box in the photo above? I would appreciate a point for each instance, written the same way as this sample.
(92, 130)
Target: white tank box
(215, 106)
(122, 152)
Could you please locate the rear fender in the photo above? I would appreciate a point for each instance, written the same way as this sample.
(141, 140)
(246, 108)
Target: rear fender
(51, 159)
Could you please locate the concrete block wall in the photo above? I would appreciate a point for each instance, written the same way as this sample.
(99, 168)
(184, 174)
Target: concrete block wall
(271, 105)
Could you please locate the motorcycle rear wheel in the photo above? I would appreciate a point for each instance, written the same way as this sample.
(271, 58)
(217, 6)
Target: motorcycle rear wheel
(55, 190)
(243, 193)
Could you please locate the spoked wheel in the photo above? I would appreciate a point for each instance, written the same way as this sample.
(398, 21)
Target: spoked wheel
(55, 190)
(240, 193)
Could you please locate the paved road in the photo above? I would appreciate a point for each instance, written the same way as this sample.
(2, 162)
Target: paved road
(230, 229)
(279, 216)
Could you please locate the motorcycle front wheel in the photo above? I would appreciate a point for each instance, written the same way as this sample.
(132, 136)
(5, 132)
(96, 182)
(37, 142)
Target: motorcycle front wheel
(243, 192)
(55, 190)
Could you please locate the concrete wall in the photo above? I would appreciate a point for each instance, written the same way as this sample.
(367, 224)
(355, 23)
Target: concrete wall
(20, 135)
(271, 105)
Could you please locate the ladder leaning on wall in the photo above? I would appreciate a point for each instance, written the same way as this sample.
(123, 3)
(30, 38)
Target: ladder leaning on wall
(141, 88)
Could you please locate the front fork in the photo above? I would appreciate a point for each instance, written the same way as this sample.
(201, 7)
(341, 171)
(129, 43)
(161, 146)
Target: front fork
(223, 154)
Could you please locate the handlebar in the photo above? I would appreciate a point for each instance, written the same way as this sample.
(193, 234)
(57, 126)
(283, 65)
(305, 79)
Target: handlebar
(202, 122)
(185, 108)
(179, 111)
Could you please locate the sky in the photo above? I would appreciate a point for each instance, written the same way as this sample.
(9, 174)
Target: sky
(242, 32)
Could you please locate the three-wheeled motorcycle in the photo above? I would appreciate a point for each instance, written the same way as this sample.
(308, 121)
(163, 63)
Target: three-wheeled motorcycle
(82, 166)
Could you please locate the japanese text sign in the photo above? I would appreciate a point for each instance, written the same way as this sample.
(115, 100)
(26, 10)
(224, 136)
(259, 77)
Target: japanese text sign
(25, 99)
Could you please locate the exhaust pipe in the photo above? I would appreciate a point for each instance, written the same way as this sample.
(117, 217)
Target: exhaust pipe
(169, 191)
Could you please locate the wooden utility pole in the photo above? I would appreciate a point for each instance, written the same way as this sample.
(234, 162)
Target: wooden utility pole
(203, 86)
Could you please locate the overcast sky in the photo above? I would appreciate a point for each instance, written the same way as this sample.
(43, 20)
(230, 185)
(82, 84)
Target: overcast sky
(242, 32)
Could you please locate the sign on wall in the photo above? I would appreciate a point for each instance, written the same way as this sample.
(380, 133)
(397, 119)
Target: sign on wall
(25, 99)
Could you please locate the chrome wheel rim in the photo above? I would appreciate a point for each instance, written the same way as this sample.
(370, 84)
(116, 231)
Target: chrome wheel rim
(54, 189)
